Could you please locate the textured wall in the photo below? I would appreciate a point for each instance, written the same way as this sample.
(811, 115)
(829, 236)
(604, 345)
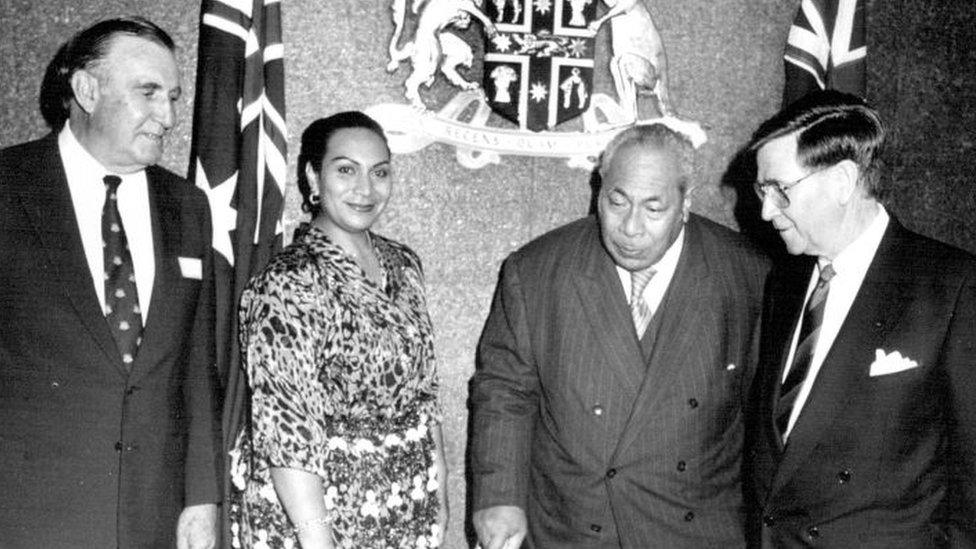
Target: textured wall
(725, 72)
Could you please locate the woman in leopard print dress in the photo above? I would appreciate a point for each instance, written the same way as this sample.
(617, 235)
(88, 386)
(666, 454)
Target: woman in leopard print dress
(345, 446)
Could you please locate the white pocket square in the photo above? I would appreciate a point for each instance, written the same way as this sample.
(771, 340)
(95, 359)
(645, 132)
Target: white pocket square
(191, 267)
(891, 363)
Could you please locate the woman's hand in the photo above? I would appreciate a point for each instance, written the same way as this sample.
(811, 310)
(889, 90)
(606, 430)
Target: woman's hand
(302, 496)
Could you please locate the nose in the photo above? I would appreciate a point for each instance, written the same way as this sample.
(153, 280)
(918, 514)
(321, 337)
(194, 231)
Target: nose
(632, 225)
(166, 113)
(364, 183)
(769, 208)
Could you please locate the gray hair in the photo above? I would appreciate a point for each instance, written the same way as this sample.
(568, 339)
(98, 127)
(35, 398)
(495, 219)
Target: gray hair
(657, 137)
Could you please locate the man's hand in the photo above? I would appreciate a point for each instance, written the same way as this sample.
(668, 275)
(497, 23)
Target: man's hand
(500, 527)
(197, 527)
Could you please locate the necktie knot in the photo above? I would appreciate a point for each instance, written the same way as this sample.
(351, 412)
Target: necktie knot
(112, 183)
(826, 273)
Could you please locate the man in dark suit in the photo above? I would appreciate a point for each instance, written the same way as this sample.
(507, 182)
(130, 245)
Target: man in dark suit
(864, 431)
(613, 367)
(108, 428)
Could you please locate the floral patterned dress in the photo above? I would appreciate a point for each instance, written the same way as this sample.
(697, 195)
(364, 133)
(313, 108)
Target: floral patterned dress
(344, 386)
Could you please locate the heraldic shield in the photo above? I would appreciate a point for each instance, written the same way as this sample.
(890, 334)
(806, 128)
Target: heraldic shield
(538, 68)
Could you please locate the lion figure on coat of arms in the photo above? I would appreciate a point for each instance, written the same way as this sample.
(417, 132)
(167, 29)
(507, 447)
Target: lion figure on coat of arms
(433, 46)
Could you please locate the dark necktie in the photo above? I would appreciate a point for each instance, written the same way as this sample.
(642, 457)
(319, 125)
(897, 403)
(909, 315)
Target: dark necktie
(121, 299)
(806, 344)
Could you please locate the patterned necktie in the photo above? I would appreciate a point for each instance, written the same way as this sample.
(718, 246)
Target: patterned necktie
(121, 299)
(806, 343)
(640, 311)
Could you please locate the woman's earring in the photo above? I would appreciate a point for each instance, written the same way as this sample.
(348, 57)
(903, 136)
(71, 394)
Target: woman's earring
(314, 199)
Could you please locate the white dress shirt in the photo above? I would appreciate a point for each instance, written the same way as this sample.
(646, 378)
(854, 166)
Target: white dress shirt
(850, 266)
(87, 189)
(663, 273)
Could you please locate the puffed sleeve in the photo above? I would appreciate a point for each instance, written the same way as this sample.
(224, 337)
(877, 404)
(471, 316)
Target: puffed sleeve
(428, 383)
(282, 327)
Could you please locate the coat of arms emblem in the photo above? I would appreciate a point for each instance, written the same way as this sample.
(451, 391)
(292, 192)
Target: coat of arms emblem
(538, 67)
(537, 72)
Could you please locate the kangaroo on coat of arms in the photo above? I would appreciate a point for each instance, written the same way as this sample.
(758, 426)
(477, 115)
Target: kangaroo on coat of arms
(433, 47)
(639, 64)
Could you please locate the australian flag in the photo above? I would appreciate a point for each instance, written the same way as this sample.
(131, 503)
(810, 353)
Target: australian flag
(826, 48)
(238, 157)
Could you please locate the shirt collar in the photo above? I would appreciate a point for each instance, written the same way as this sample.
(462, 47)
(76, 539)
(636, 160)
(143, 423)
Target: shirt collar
(669, 261)
(77, 160)
(857, 256)
(665, 267)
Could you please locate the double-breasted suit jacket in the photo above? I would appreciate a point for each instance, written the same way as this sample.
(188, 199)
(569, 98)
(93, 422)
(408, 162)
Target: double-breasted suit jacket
(882, 460)
(92, 456)
(603, 441)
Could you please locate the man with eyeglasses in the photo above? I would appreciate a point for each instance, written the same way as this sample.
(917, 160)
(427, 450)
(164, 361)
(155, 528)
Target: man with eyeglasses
(863, 422)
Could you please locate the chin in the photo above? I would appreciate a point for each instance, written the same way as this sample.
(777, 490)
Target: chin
(631, 264)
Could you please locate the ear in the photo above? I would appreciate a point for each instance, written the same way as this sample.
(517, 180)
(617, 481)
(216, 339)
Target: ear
(85, 86)
(847, 175)
(686, 203)
(313, 180)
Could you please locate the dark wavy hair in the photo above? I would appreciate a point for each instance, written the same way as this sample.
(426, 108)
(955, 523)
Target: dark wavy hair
(315, 139)
(831, 126)
(81, 52)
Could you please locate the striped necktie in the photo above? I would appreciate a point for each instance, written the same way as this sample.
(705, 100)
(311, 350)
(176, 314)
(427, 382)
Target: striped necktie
(640, 311)
(121, 299)
(806, 344)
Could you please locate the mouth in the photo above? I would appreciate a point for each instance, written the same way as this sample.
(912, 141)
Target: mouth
(627, 251)
(361, 207)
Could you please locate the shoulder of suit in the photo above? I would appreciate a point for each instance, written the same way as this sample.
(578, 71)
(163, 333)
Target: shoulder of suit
(27, 155)
(727, 243)
(565, 238)
(913, 255)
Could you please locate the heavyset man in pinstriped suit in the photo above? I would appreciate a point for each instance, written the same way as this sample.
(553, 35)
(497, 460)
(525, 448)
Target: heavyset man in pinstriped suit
(607, 410)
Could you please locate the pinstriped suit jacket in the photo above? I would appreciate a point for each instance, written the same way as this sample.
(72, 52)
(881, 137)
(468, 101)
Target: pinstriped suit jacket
(600, 446)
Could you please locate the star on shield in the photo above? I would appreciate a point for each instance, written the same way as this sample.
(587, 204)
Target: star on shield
(538, 70)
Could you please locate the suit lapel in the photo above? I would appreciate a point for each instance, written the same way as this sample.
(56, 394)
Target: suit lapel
(787, 301)
(52, 215)
(689, 297)
(845, 367)
(162, 323)
(605, 306)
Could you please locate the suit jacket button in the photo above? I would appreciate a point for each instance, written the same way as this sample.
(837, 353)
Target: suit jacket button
(769, 520)
(844, 476)
(611, 473)
(598, 410)
(689, 516)
(693, 402)
(118, 446)
(596, 528)
(813, 532)
(682, 466)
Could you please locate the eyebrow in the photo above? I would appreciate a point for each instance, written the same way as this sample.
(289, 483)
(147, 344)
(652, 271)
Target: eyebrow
(356, 162)
(654, 198)
(157, 86)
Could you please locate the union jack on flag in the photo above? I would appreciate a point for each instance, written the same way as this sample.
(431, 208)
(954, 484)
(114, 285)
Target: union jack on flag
(826, 48)
(238, 157)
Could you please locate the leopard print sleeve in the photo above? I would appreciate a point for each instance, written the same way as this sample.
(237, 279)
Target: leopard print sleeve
(280, 333)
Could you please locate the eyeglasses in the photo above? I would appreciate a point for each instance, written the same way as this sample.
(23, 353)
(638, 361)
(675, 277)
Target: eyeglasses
(780, 199)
